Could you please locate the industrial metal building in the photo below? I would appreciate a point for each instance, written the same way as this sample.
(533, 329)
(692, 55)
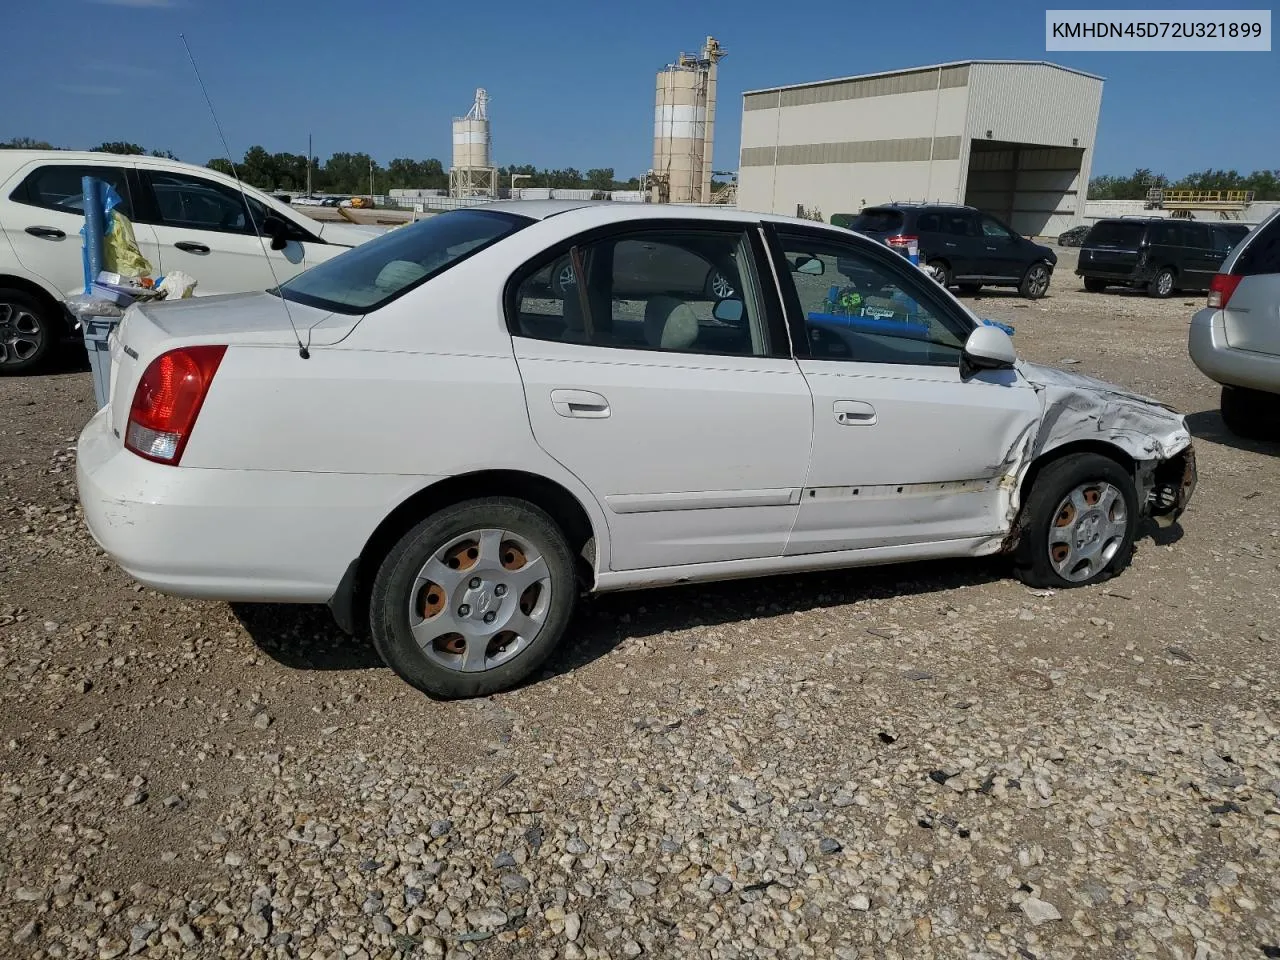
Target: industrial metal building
(1013, 138)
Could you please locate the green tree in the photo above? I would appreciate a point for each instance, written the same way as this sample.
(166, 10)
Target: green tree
(165, 154)
(26, 143)
(600, 178)
(119, 146)
(222, 165)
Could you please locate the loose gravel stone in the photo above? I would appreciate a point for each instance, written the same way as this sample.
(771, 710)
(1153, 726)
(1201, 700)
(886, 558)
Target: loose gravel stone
(1039, 911)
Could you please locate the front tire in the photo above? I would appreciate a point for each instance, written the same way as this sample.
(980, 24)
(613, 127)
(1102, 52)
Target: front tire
(1078, 523)
(1251, 414)
(940, 272)
(28, 333)
(474, 598)
(1035, 282)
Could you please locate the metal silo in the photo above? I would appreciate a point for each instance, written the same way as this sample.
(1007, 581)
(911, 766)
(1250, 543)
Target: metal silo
(472, 173)
(683, 127)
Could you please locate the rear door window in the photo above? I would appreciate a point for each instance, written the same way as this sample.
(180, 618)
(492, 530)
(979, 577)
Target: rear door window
(58, 186)
(1165, 234)
(878, 221)
(1115, 233)
(1226, 237)
(1196, 235)
(1262, 253)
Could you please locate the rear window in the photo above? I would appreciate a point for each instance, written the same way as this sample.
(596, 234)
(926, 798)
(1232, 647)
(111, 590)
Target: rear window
(872, 220)
(1115, 233)
(1262, 253)
(375, 273)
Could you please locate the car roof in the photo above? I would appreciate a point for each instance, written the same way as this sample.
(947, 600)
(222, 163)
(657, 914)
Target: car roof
(909, 205)
(602, 212)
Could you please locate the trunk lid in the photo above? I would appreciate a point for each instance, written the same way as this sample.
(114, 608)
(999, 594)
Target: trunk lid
(244, 319)
(1112, 248)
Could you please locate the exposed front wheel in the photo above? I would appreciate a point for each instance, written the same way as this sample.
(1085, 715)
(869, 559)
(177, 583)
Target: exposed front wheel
(1035, 282)
(939, 271)
(1077, 524)
(474, 598)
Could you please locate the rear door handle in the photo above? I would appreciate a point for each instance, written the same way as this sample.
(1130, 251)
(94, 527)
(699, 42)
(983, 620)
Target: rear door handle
(854, 413)
(948, 244)
(47, 233)
(579, 403)
(191, 247)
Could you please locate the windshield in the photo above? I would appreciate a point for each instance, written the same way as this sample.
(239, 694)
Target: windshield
(1115, 233)
(375, 273)
(877, 221)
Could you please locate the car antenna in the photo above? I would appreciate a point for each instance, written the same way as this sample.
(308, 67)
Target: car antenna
(303, 350)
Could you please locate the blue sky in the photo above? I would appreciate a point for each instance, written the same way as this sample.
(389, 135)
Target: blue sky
(571, 82)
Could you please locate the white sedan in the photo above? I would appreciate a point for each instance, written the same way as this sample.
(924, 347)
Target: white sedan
(445, 444)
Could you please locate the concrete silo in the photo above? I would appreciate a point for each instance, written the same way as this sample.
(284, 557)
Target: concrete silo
(683, 127)
(472, 173)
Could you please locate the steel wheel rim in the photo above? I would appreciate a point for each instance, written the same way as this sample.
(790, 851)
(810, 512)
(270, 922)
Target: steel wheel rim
(1087, 530)
(21, 334)
(721, 287)
(1039, 281)
(1164, 283)
(480, 600)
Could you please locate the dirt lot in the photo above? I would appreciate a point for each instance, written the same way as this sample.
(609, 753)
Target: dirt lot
(923, 761)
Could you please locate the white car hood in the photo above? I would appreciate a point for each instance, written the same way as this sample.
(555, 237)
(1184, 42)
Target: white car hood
(1075, 407)
(349, 234)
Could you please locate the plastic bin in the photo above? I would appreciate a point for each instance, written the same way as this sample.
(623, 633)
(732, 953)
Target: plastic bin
(97, 330)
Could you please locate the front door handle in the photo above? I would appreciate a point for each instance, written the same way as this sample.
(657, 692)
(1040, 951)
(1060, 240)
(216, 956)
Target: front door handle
(191, 247)
(47, 233)
(948, 244)
(854, 413)
(579, 403)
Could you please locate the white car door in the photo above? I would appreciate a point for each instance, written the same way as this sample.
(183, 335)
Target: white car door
(44, 212)
(692, 432)
(904, 450)
(204, 229)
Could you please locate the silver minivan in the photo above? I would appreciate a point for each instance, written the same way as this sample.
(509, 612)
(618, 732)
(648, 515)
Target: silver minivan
(1235, 339)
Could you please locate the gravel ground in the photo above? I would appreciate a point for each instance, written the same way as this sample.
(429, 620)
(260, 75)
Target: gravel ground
(916, 761)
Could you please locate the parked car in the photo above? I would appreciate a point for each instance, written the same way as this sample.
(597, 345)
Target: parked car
(1159, 254)
(961, 246)
(458, 450)
(1073, 237)
(185, 217)
(1235, 339)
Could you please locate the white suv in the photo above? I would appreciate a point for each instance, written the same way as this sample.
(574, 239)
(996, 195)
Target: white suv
(1235, 340)
(186, 218)
(463, 439)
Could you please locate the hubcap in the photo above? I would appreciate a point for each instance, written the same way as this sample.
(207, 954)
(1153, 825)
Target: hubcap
(1165, 283)
(934, 271)
(1088, 529)
(20, 333)
(480, 600)
(1039, 280)
(565, 277)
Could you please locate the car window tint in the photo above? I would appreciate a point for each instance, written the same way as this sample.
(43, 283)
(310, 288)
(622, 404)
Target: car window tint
(373, 274)
(691, 292)
(878, 221)
(961, 225)
(1226, 237)
(1195, 235)
(1165, 234)
(994, 229)
(860, 308)
(929, 223)
(1262, 254)
(59, 186)
(199, 204)
(1115, 233)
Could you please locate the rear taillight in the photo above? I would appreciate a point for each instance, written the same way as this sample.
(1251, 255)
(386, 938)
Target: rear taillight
(168, 400)
(1221, 287)
(901, 240)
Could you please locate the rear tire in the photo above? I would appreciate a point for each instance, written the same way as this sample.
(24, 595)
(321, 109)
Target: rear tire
(1035, 282)
(29, 333)
(1066, 538)
(1161, 285)
(474, 598)
(940, 272)
(1251, 413)
(1094, 284)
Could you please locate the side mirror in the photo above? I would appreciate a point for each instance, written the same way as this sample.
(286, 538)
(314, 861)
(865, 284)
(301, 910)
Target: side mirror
(728, 311)
(988, 348)
(278, 231)
(809, 266)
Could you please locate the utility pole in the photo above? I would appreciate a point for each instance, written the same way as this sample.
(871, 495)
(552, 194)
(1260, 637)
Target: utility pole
(308, 165)
(371, 179)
